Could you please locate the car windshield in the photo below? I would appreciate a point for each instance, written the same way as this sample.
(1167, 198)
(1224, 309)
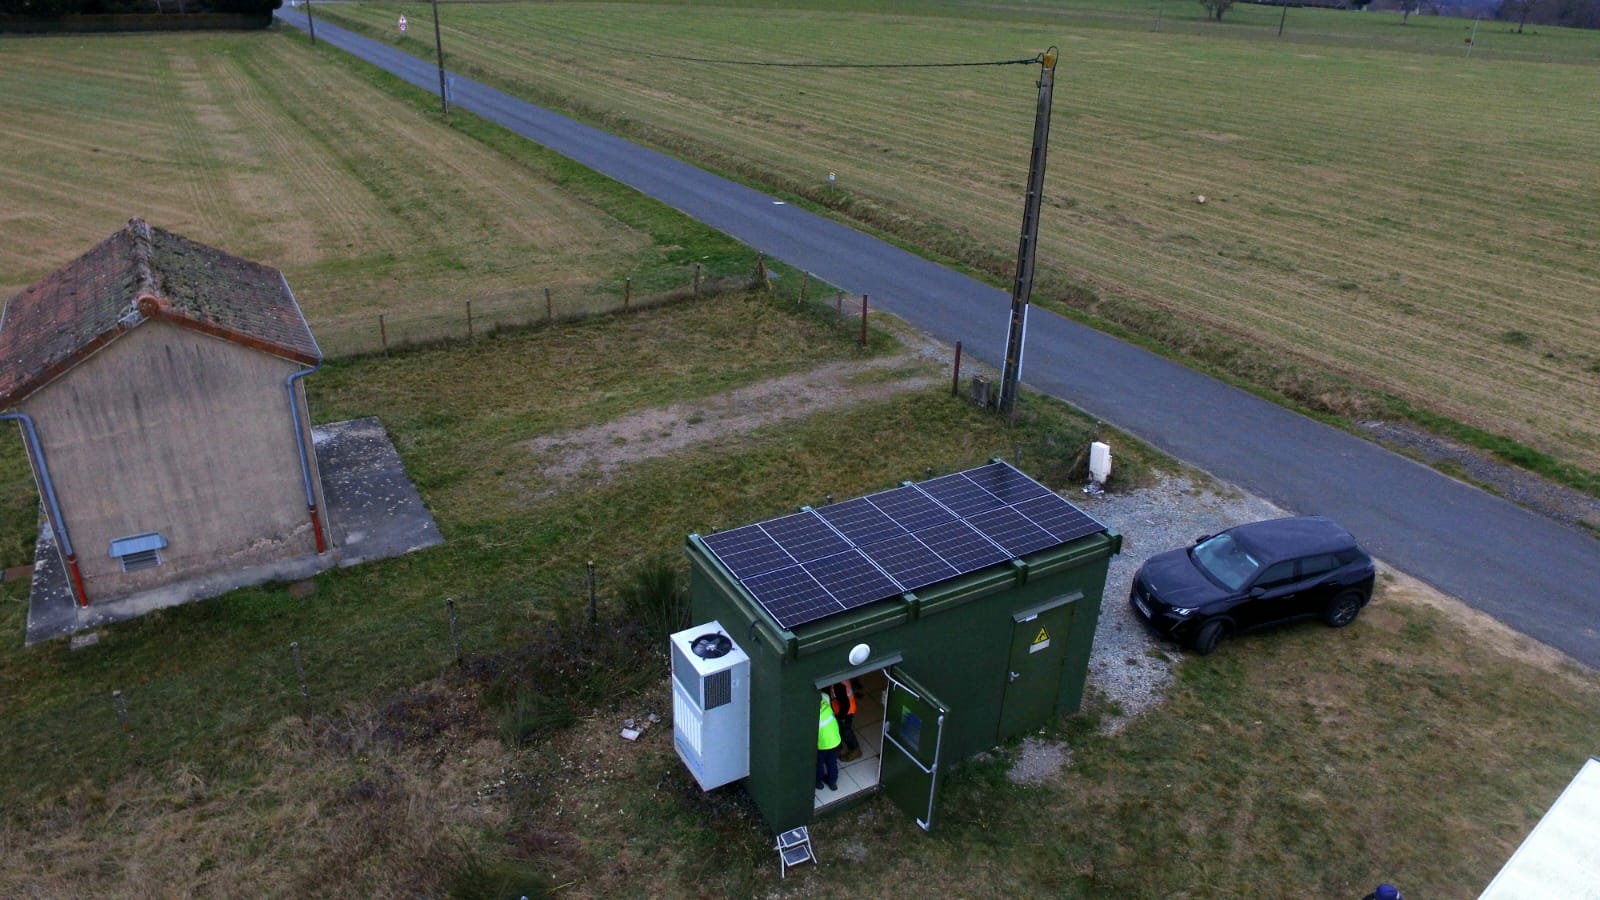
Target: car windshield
(1225, 561)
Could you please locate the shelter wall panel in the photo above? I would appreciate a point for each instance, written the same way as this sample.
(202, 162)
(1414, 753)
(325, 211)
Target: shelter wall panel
(175, 432)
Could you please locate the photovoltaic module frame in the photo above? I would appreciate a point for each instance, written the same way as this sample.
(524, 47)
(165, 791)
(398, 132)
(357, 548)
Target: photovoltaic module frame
(817, 562)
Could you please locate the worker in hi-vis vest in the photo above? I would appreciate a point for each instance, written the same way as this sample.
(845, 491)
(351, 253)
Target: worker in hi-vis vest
(827, 745)
(843, 695)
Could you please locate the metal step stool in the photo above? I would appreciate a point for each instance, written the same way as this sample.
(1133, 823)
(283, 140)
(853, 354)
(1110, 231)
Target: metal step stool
(794, 848)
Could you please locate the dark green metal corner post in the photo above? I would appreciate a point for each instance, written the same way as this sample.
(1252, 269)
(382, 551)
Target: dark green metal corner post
(1022, 287)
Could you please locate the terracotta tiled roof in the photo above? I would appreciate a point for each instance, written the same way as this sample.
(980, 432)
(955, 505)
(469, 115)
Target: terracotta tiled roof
(137, 274)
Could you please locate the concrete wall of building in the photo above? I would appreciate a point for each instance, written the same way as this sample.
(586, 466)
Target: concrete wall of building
(190, 436)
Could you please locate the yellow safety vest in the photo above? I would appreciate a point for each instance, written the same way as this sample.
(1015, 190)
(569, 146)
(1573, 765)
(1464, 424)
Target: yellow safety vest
(827, 726)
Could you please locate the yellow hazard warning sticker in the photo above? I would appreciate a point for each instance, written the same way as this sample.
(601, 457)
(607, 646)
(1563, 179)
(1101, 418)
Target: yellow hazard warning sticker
(1040, 641)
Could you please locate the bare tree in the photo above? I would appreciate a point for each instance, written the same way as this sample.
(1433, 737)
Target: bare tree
(1519, 10)
(1407, 7)
(1215, 8)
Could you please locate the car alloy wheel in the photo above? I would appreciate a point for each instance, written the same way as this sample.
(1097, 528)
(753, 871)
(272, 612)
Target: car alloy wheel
(1207, 638)
(1344, 609)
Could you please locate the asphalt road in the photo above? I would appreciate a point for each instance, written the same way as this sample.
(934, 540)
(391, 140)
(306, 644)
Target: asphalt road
(1535, 575)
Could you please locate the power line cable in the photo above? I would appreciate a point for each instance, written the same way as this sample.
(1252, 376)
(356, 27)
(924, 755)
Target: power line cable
(1034, 60)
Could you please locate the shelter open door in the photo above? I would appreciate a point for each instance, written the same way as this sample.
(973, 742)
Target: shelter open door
(913, 738)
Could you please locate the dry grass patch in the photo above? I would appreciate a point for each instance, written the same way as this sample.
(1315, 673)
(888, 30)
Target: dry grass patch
(365, 803)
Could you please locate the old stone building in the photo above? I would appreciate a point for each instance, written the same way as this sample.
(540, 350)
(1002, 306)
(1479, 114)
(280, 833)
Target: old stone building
(157, 382)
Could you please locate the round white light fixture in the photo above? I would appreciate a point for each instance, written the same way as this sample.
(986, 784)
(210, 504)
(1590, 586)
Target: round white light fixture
(859, 654)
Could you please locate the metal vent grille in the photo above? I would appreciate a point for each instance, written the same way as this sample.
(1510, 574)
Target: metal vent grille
(719, 688)
(144, 559)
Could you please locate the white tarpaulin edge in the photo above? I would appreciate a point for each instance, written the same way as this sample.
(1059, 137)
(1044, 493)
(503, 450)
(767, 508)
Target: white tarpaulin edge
(1561, 856)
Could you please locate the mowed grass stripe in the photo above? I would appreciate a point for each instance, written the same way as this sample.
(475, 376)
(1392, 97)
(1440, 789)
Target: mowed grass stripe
(1391, 216)
(262, 146)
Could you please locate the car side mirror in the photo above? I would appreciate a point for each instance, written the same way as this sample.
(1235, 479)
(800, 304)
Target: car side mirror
(1202, 539)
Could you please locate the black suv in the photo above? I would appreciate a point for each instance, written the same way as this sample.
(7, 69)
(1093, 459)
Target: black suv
(1253, 576)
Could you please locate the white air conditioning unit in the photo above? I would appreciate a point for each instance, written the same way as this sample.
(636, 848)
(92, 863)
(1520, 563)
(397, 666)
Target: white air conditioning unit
(711, 704)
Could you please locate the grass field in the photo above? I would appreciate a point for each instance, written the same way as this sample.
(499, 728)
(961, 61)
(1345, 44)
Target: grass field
(1385, 217)
(259, 146)
(1412, 746)
(1295, 765)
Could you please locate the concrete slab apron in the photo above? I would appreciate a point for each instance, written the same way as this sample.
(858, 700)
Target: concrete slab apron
(374, 513)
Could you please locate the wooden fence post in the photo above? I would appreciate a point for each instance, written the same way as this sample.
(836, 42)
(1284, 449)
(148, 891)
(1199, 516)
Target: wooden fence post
(863, 341)
(300, 672)
(383, 333)
(955, 376)
(469, 320)
(549, 311)
(697, 279)
(627, 292)
(594, 608)
(455, 633)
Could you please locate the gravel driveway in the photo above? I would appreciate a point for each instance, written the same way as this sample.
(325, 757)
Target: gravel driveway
(1122, 668)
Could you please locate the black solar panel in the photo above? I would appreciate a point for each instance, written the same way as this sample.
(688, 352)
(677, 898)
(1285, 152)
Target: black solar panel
(1012, 530)
(960, 494)
(748, 551)
(909, 561)
(962, 546)
(815, 563)
(1006, 483)
(852, 579)
(793, 596)
(910, 508)
(805, 536)
(1064, 521)
(860, 521)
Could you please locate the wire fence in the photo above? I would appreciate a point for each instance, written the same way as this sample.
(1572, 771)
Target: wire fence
(466, 319)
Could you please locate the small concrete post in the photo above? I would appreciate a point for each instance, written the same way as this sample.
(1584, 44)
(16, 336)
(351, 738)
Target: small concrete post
(122, 715)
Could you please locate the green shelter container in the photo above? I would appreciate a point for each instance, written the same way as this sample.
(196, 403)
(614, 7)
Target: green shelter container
(963, 608)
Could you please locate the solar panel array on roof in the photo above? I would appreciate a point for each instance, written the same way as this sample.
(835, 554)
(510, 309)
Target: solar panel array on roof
(815, 563)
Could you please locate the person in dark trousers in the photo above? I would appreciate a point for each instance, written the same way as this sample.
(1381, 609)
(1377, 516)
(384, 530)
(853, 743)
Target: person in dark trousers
(827, 744)
(844, 709)
(1384, 891)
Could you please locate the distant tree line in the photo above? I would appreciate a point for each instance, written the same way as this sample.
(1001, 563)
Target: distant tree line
(125, 7)
(1566, 13)
(1569, 13)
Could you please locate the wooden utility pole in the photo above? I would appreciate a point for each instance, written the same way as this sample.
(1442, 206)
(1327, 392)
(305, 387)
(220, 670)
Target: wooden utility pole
(438, 49)
(1022, 287)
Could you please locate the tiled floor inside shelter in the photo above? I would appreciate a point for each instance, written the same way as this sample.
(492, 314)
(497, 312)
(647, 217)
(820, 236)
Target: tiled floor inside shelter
(861, 775)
